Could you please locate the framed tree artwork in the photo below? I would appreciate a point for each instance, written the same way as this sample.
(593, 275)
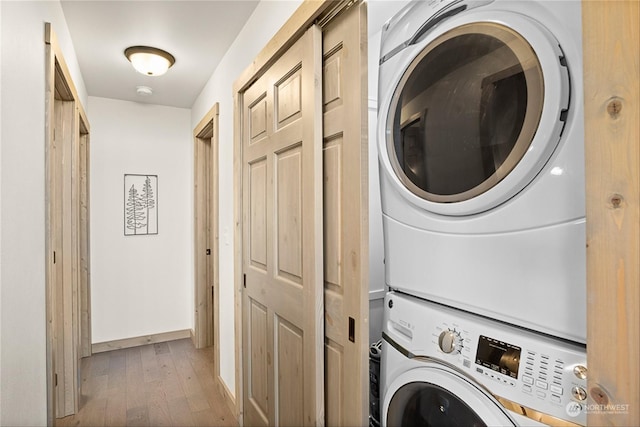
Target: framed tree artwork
(140, 204)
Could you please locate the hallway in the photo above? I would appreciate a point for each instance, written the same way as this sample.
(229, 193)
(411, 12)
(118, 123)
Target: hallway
(164, 384)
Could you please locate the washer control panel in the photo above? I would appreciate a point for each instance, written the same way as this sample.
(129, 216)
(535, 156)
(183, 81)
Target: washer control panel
(527, 372)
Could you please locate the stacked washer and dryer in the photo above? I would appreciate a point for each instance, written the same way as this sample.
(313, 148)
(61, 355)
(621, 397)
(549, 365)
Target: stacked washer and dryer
(480, 135)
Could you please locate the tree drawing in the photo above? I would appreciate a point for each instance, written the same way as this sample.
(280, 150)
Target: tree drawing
(135, 211)
(148, 200)
(140, 204)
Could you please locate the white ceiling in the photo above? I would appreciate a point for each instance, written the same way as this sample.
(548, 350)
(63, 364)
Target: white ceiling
(197, 33)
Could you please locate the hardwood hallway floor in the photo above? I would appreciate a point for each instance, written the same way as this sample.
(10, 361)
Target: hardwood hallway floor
(165, 384)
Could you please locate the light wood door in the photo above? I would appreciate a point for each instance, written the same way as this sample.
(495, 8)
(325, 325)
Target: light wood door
(346, 225)
(282, 233)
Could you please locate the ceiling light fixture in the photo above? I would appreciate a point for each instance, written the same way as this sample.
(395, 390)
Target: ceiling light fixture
(149, 61)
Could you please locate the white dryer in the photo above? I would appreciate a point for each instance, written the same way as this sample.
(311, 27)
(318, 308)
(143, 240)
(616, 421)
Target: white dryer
(445, 367)
(480, 135)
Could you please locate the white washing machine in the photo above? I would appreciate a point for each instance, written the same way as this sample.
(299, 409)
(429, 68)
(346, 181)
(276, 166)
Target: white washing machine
(442, 366)
(480, 135)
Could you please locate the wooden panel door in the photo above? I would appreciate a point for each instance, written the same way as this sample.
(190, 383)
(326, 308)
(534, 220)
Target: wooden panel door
(346, 228)
(282, 241)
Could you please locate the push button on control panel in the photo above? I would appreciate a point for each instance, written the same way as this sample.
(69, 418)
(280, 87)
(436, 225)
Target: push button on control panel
(541, 384)
(556, 389)
(527, 380)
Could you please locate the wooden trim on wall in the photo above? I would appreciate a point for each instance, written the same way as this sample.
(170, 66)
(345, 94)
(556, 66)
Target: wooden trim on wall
(226, 393)
(139, 341)
(49, 127)
(206, 119)
(611, 42)
(51, 40)
(84, 293)
(237, 245)
(85, 128)
(63, 292)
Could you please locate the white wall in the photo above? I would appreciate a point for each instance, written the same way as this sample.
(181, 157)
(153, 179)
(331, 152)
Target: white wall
(376, 244)
(379, 11)
(141, 285)
(0, 214)
(265, 21)
(23, 397)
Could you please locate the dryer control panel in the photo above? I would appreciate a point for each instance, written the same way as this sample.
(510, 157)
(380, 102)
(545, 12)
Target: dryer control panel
(499, 356)
(528, 373)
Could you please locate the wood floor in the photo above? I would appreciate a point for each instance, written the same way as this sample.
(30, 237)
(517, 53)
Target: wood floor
(165, 384)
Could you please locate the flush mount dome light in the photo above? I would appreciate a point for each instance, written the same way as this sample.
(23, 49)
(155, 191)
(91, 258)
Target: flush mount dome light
(149, 61)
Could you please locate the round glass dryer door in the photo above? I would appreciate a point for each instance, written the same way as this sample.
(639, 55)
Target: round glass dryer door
(466, 112)
(436, 396)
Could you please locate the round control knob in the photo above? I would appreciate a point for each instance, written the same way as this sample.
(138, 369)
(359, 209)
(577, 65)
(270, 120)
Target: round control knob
(450, 341)
(580, 371)
(579, 393)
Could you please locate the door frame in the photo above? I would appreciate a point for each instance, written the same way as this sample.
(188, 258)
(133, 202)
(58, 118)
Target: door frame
(611, 41)
(84, 236)
(310, 11)
(68, 328)
(206, 328)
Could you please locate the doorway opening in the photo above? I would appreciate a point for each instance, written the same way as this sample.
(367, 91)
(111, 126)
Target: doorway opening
(67, 234)
(206, 232)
